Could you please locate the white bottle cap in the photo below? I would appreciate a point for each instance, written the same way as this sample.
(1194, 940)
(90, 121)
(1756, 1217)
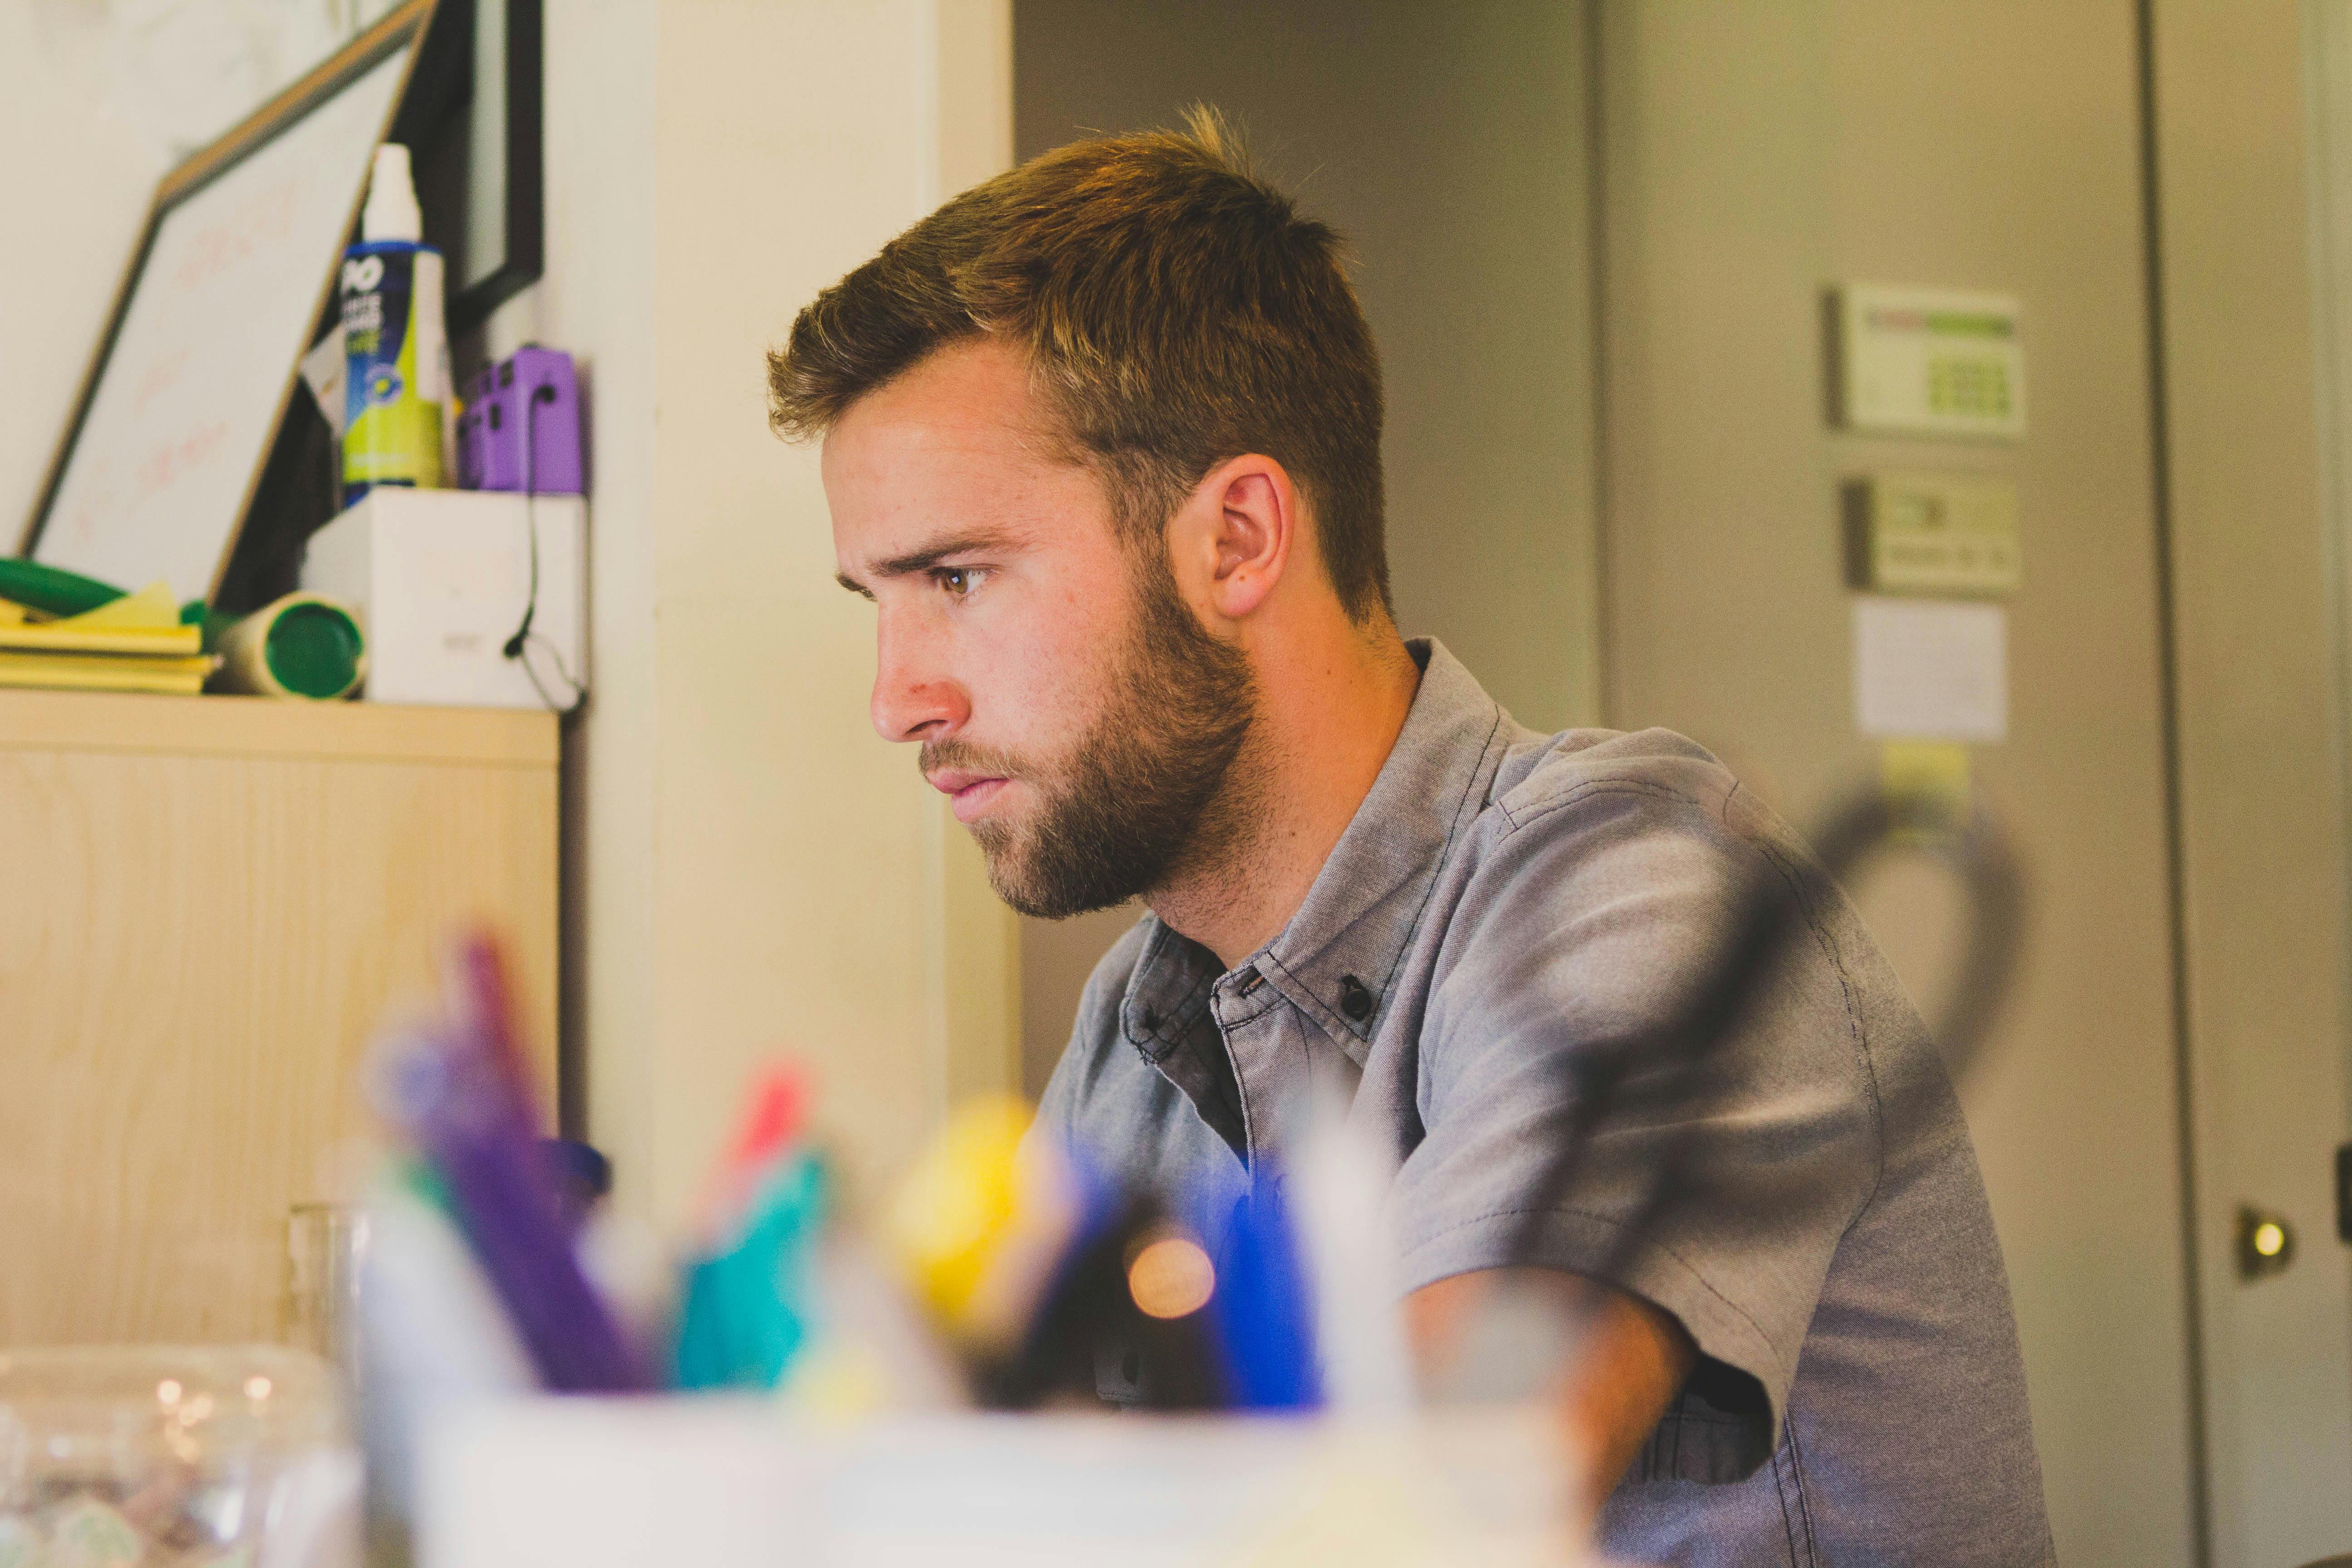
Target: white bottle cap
(391, 211)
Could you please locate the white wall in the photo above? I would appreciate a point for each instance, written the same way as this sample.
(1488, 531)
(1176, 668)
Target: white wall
(752, 870)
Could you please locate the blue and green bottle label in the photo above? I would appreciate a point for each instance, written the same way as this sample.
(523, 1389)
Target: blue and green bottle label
(391, 434)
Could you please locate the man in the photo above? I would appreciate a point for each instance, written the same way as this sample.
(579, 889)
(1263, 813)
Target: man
(1102, 445)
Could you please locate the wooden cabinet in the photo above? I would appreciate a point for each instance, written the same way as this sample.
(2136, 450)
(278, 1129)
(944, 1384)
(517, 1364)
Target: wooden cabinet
(205, 906)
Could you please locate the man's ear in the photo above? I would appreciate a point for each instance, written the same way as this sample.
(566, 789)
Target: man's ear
(1232, 539)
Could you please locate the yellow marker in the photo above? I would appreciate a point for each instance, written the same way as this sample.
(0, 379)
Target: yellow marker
(981, 1221)
(958, 1202)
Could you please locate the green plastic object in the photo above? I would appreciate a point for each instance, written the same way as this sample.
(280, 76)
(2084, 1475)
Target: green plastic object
(51, 591)
(314, 649)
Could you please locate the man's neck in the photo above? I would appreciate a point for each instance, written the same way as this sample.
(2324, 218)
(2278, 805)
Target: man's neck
(1326, 726)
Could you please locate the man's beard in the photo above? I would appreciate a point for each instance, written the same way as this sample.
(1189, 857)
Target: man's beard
(1145, 796)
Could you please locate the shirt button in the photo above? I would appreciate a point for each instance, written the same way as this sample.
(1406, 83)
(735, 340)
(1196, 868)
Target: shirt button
(1354, 1000)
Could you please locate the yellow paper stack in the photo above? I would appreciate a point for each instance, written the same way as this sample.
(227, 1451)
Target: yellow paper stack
(135, 643)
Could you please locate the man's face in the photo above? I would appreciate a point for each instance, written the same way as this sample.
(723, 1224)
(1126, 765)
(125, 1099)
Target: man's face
(1083, 721)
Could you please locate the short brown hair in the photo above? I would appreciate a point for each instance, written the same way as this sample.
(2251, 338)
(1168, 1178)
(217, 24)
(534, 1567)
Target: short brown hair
(1174, 303)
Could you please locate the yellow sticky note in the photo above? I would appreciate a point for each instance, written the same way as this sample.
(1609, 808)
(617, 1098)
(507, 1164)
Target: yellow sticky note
(152, 608)
(1930, 774)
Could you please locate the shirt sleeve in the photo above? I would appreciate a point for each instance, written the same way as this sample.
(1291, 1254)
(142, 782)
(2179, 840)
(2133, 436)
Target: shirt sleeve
(1585, 926)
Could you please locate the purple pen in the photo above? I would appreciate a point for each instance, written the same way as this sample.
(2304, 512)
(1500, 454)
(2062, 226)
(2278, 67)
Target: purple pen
(459, 1095)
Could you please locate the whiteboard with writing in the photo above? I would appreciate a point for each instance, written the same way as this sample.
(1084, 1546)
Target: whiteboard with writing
(219, 314)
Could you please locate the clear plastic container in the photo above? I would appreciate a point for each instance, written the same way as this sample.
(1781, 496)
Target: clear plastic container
(157, 1457)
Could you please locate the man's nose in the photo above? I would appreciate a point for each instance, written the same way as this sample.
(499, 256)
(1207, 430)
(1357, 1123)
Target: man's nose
(915, 699)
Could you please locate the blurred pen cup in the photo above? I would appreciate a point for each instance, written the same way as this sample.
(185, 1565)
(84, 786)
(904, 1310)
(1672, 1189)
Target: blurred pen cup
(607, 1483)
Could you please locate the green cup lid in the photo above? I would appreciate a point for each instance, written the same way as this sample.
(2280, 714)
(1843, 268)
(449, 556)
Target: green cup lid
(313, 650)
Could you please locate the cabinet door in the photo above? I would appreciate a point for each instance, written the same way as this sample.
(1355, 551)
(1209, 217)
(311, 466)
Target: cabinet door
(194, 949)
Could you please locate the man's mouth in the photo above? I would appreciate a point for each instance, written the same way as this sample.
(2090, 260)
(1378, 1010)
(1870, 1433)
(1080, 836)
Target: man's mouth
(970, 792)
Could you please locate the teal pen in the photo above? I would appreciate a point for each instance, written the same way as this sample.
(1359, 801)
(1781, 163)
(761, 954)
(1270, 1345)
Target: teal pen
(748, 1308)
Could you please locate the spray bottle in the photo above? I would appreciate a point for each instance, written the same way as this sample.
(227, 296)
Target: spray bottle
(395, 340)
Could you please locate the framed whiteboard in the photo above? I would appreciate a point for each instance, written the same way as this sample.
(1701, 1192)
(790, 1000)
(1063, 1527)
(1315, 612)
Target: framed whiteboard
(230, 278)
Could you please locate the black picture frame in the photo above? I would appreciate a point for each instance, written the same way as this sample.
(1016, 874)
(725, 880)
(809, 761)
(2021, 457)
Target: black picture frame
(478, 95)
(526, 227)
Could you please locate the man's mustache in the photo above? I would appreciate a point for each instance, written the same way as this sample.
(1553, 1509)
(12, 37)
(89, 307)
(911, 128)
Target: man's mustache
(935, 756)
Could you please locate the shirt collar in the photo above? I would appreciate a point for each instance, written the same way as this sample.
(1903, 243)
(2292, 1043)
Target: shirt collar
(1359, 917)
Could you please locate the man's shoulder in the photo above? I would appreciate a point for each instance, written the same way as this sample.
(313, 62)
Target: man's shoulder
(1594, 844)
(1555, 795)
(1540, 774)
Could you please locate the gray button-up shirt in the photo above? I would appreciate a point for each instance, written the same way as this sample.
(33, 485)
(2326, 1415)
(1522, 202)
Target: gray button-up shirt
(1504, 902)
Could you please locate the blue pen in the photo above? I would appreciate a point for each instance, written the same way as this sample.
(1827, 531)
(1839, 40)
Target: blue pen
(1264, 1307)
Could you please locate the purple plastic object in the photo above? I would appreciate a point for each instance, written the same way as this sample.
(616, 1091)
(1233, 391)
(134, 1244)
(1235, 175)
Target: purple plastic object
(520, 428)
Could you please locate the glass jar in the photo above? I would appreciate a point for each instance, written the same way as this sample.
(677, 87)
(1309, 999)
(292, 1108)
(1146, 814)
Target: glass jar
(160, 1457)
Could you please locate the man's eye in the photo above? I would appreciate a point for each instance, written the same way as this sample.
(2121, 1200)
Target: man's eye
(958, 581)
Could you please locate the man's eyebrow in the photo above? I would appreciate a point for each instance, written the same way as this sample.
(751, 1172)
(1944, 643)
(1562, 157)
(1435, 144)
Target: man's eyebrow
(928, 557)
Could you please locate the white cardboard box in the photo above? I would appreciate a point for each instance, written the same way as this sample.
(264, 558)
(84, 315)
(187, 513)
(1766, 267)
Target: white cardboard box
(440, 579)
